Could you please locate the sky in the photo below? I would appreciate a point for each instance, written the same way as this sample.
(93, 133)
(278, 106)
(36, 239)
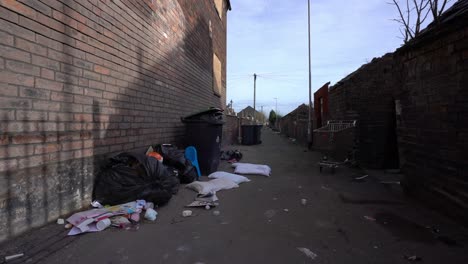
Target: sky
(270, 38)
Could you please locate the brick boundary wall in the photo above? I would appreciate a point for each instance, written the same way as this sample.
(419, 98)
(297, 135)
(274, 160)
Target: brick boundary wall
(412, 112)
(80, 80)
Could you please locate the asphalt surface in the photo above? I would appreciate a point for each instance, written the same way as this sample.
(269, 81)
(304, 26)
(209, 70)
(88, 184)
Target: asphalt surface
(264, 221)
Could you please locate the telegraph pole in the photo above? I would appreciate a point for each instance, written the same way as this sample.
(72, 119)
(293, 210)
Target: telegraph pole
(263, 117)
(255, 90)
(309, 123)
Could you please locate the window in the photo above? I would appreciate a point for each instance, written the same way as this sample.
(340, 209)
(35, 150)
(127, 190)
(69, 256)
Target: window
(217, 70)
(219, 7)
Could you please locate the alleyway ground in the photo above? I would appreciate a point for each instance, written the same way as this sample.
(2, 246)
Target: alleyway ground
(253, 226)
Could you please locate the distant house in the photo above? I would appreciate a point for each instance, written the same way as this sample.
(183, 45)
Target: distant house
(250, 113)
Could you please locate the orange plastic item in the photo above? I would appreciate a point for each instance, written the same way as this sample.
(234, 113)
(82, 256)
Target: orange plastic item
(155, 155)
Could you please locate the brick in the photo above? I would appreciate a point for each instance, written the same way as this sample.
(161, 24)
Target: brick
(102, 70)
(21, 67)
(64, 19)
(16, 78)
(32, 161)
(15, 151)
(19, 8)
(7, 115)
(83, 64)
(8, 164)
(34, 93)
(6, 39)
(46, 148)
(60, 117)
(83, 117)
(34, 26)
(45, 62)
(91, 75)
(46, 105)
(15, 127)
(16, 30)
(17, 103)
(22, 115)
(63, 97)
(8, 15)
(8, 90)
(66, 78)
(4, 139)
(92, 92)
(50, 43)
(30, 47)
(15, 54)
(73, 145)
(79, 99)
(73, 89)
(38, 6)
(48, 74)
(28, 139)
(51, 23)
(49, 85)
(59, 56)
(69, 69)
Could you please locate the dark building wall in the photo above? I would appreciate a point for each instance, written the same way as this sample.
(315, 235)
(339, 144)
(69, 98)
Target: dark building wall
(420, 93)
(295, 124)
(80, 80)
(367, 95)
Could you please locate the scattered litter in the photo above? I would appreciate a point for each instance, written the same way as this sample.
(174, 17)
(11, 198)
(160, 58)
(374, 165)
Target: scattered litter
(120, 222)
(413, 258)
(12, 257)
(270, 213)
(61, 221)
(370, 218)
(103, 224)
(207, 207)
(68, 226)
(326, 188)
(376, 247)
(151, 214)
(231, 155)
(216, 213)
(308, 253)
(361, 178)
(212, 186)
(186, 213)
(248, 168)
(201, 204)
(209, 197)
(96, 204)
(238, 179)
(303, 201)
(286, 210)
(274, 198)
(299, 187)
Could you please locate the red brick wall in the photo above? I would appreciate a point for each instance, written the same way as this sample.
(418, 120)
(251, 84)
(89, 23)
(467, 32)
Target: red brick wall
(322, 93)
(83, 78)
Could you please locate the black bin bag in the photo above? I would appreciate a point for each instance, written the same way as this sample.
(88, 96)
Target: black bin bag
(132, 176)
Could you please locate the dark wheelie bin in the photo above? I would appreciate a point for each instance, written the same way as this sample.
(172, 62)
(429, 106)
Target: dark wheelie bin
(251, 134)
(204, 132)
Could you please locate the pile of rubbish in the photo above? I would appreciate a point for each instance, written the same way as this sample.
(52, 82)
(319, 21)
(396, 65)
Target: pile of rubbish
(124, 216)
(132, 184)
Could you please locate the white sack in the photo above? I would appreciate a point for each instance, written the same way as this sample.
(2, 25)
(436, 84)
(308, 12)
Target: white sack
(212, 186)
(238, 179)
(248, 168)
